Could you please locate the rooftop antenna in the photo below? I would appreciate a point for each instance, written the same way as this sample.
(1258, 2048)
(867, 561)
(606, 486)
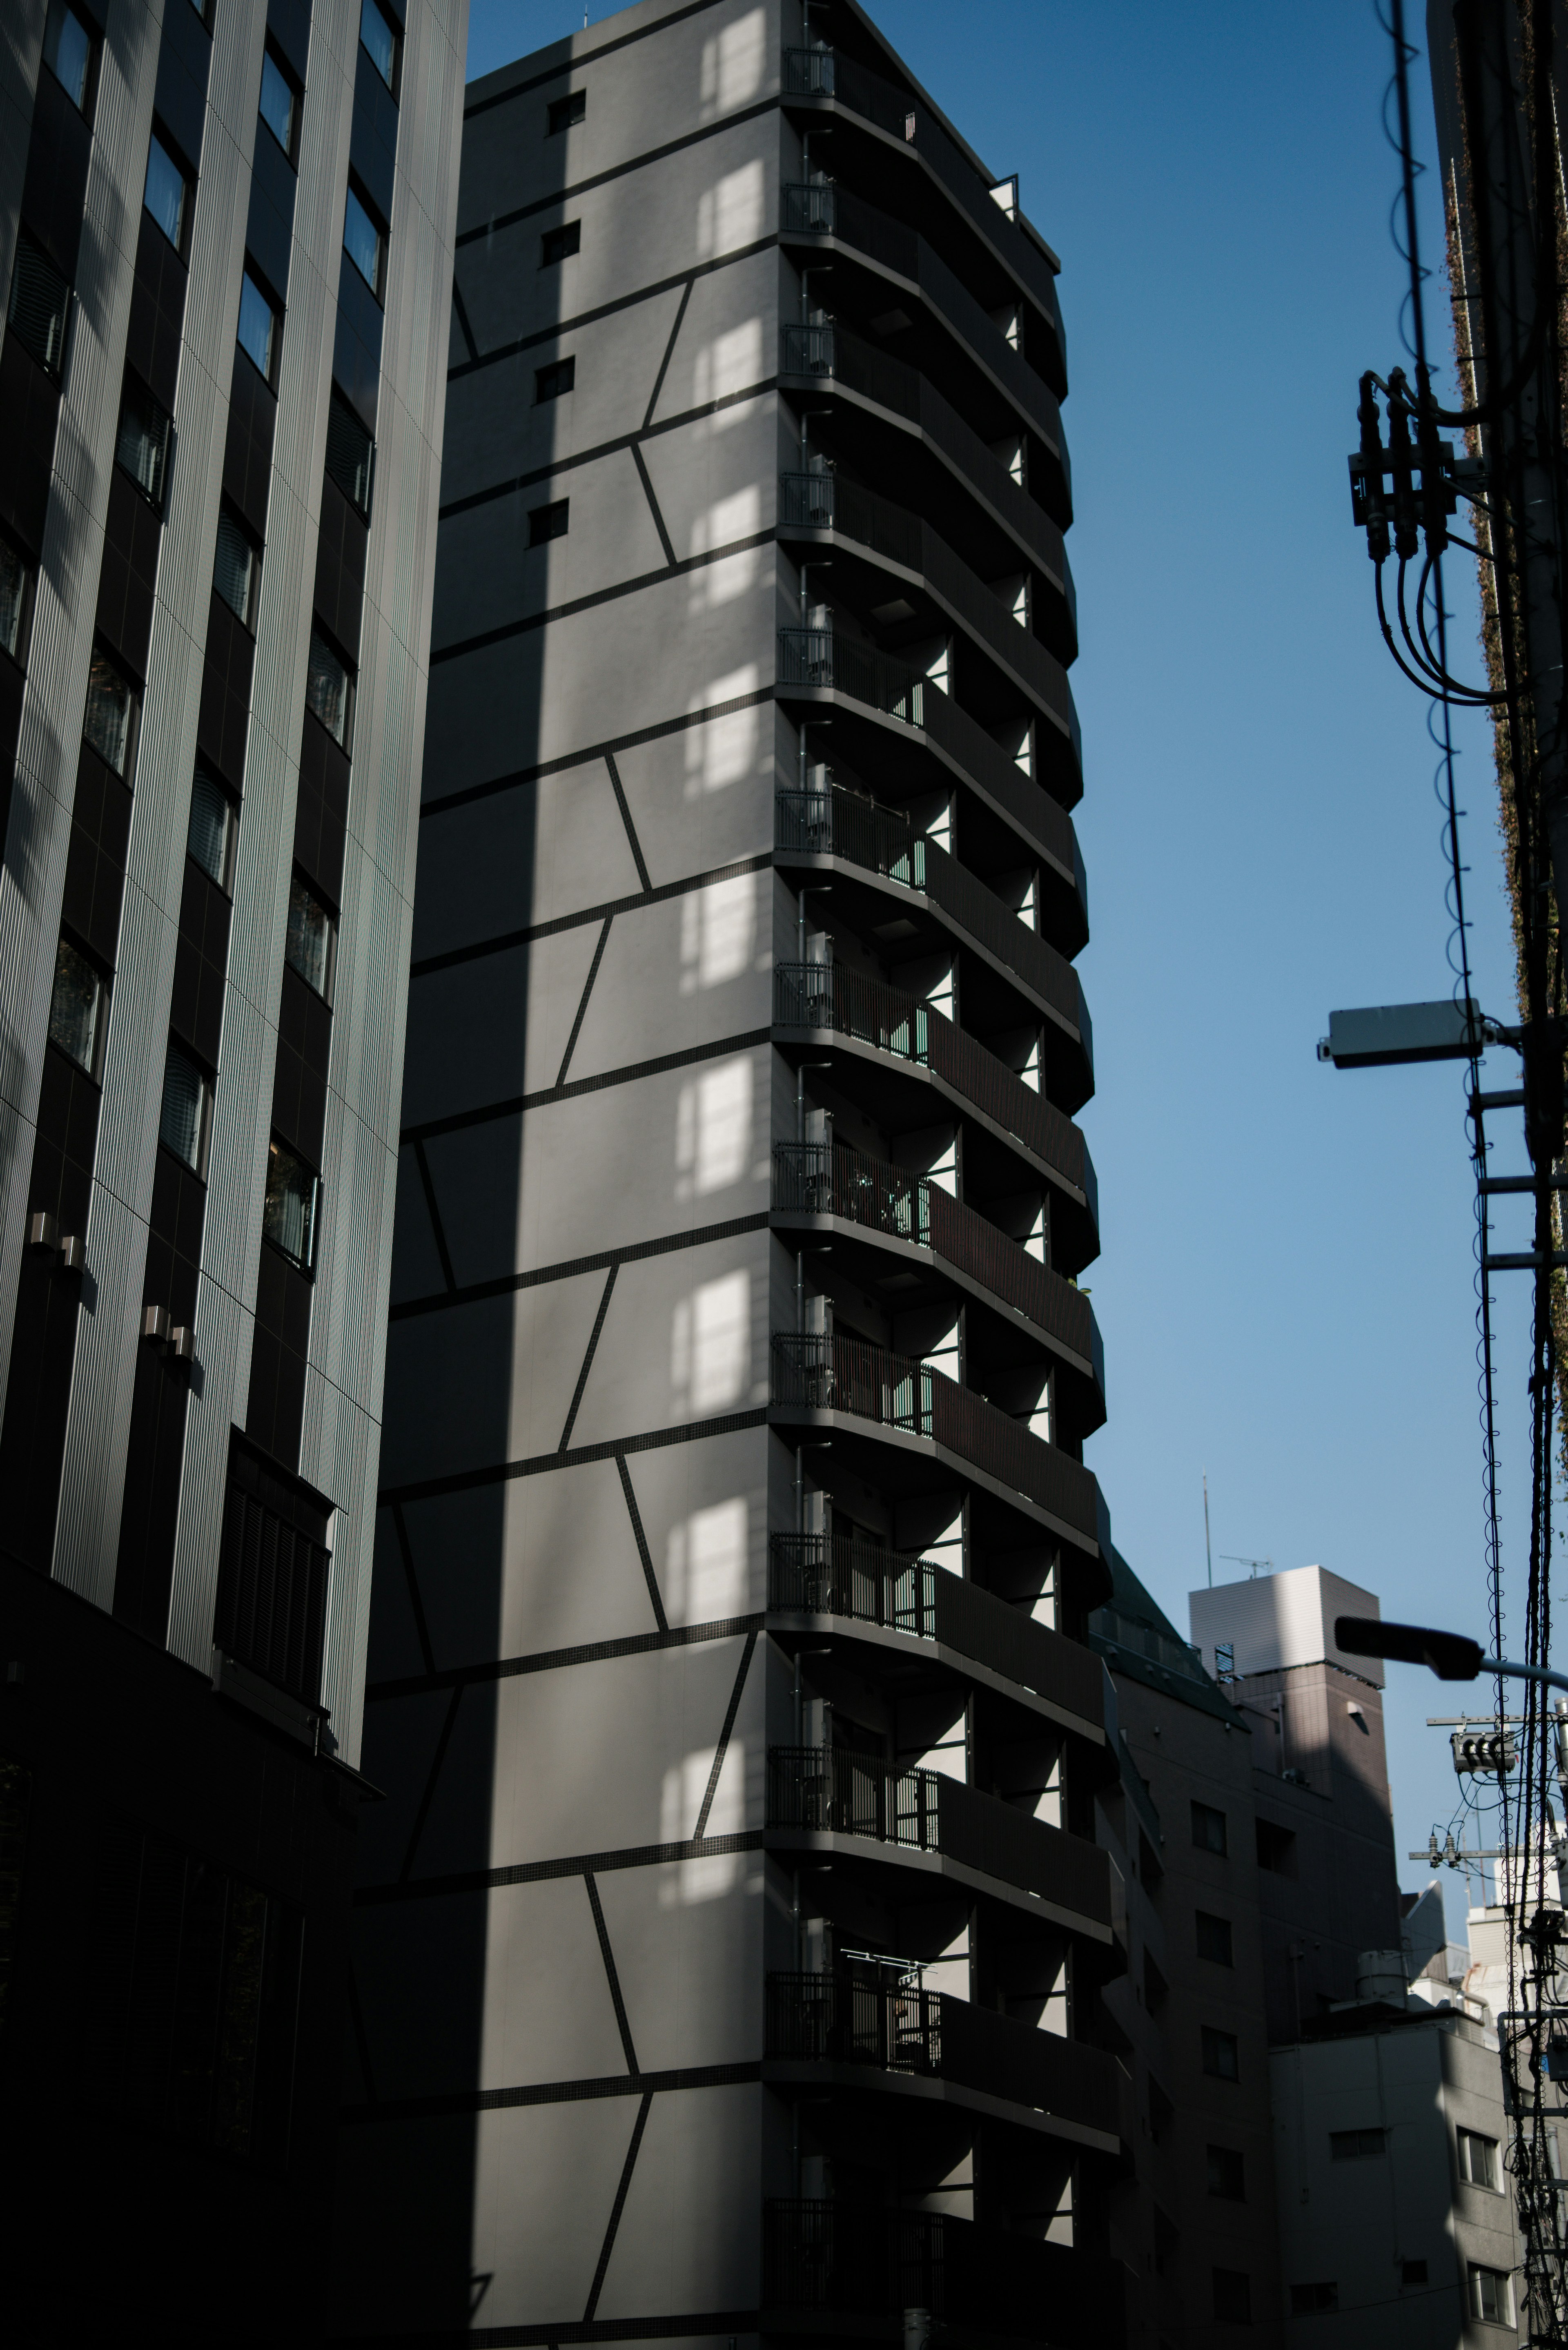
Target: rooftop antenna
(1207, 1541)
(1231, 1558)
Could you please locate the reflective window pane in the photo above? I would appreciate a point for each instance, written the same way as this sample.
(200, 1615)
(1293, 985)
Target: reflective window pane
(327, 689)
(76, 1008)
(183, 1125)
(39, 303)
(68, 52)
(309, 946)
(166, 192)
(235, 567)
(362, 243)
(277, 104)
(16, 587)
(110, 708)
(379, 39)
(351, 454)
(142, 445)
(288, 1212)
(213, 825)
(258, 325)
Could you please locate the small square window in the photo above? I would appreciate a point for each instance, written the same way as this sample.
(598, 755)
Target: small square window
(1277, 1848)
(214, 828)
(257, 333)
(141, 444)
(1314, 2299)
(108, 724)
(167, 195)
(545, 523)
(1478, 2160)
(186, 1119)
(1232, 2296)
(1220, 2056)
(328, 689)
(1208, 1829)
(290, 1209)
(77, 1008)
(279, 104)
(380, 42)
(350, 452)
(560, 244)
(551, 383)
(1226, 2174)
(39, 305)
(1214, 1940)
(70, 52)
(1357, 2145)
(1412, 2272)
(236, 568)
(16, 602)
(365, 243)
(311, 935)
(564, 112)
(1491, 2295)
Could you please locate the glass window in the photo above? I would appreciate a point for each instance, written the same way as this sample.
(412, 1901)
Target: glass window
(326, 692)
(1209, 1828)
(1491, 2298)
(1355, 2146)
(308, 949)
(380, 40)
(77, 1007)
(1214, 1940)
(1478, 2159)
(1227, 2175)
(166, 193)
(142, 445)
(258, 327)
(564, 112)
(214, 824)
(16, 602)
(364, 243)
(278, 102)
(187, 1107)
(39, 302)
(289, 1213)
(545, 523)
(553, 381)
(1313, 2300)
(236, 568)
(350, 452)
(1220, 2055)
(68, 53)
(559, 244)
(110, 719)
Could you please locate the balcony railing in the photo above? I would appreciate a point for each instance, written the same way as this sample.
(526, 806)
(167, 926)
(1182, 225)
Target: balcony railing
(819, 1373)
(821, 73)
(832, 1791)
(820, 208)
(822, 657)
(819, 996)
(867, 2261)
(809, 1179)
(873, 2013)
(836, 823)
(826, 501)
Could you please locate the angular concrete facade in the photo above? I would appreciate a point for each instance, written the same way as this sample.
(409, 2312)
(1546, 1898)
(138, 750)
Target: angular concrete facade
(729, 1945)
(226, 234)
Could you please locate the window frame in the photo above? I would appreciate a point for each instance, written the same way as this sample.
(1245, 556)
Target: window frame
(1466, 2140)
(563, 113)
(87, 104)
(272, 56)
(564, 367)
(127, 773)
(131, 382)
(1226, 2155)
(1213, 2038)
(1209, 1918)
(1370, 2145)
(277, 1146)
(338, 404)
(207, 1084)
(230, 515)
(300, 881)
(538, 535)
(250, 274)
(392, 82)
(29, 570)
(564, 253)
(345, 741)
(69, 942)
(158, 139)
(27, 242)
(1207, 1812)
(358, 195)
(226, 883)
(1475, 2273)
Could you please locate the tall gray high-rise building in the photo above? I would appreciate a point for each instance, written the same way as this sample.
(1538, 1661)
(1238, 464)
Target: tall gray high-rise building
(226, 233)
(729, 1945)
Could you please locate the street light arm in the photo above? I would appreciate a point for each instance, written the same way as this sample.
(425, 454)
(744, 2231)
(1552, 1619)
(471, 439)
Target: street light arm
(1525, 1672)
(1452, 1656)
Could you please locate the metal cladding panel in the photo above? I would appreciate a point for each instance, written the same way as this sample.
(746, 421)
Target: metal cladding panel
(1277, 1621)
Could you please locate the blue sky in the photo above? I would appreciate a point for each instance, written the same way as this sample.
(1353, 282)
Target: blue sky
(1287, 1285)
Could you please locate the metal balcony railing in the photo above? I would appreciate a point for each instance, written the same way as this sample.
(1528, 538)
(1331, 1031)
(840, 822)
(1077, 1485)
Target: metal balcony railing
(833, 1791)
(821, 73)
(829, 1373)
(810, 1180)
(822, 208)
(836, 823)
(824, 657)
(868, 2012)
(826, 501)
(818, 995)
(871, 2261)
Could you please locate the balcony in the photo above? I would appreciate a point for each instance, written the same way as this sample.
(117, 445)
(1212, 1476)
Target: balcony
(832, 1791)
(821, 209)
(883, 840)
(827, 501)
(867, 2261)
(872, 2014)
(814, 997)
(827, 660)
(821, 73)
(811, 1180)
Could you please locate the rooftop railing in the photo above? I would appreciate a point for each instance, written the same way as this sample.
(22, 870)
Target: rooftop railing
(883, 840)
(819, 996)
(811, 1180)
(821, 73)
(830, 1373)
(869, 2261)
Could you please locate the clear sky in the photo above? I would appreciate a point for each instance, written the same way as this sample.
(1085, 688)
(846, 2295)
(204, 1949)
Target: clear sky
(1287, 1286)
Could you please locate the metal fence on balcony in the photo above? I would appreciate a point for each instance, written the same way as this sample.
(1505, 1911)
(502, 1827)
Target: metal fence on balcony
(827, 996)
(837, 1791)
(837, 1575)
(869, 2261)
(867, 2012)
(825, 657)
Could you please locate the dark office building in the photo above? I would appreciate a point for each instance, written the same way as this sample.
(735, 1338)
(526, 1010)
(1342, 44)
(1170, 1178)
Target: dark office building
(225, 237)
(730, 1947)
